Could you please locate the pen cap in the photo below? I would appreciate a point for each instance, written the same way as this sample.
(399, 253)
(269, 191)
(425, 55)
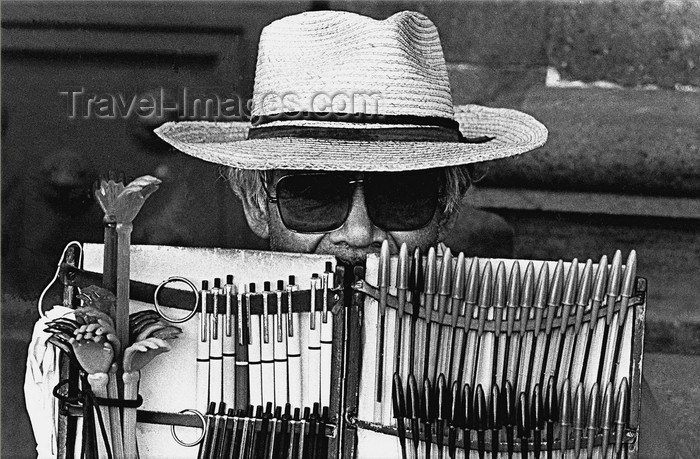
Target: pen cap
(445, 279)
(584, 290)
(509, 404)
(458, 285)
(402, 271)
(443, 402)
(485, 296)
(472, 294)
(481, 417)
(416, 275)
(542, 287)
(557, 285)
(565, 404)
(414, 397)
(579, 407)
(571, 284)
(455, 415)
(427, 405)
(606, 415)
(513, 300)
(537, 418)
(468, 404)
(500, 293)
(601, 279)
(630, 274)
(523, 417)
(551, 405)
(431, 273)
(397, 398)
(495, 419)
(593, 403)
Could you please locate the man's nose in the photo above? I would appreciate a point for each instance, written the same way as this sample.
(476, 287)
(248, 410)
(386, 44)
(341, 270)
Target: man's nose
(358, 230)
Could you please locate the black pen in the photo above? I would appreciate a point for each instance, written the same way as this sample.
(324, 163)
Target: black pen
(551, 413)
(454, 420)
(622, 415)
(413, 411)
(606, 416)
(509, 415)
(564, 415)
(592, 426)
(468, 419)
(495, 419)
(537, 419)
(480, 420)
(579, 409)
(442, 412)
(427, 414)
(399, 407)
(523, 421)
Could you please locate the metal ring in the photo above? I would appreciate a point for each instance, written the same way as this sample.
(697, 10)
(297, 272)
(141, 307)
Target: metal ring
(201, 436)
(196, 299)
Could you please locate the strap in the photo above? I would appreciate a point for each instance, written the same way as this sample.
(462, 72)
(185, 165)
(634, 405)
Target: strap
(99, 401)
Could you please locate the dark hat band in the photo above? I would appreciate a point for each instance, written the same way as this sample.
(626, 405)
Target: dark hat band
(423, 129)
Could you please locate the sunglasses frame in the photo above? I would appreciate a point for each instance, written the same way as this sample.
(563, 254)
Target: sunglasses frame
(274, 200)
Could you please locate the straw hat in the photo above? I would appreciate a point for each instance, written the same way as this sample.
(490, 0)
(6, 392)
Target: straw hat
(339, 91)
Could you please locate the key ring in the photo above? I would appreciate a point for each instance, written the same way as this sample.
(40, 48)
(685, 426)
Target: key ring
(201, 436)
(158, 306)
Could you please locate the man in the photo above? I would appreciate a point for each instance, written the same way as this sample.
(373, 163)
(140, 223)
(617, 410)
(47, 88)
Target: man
(353, 137)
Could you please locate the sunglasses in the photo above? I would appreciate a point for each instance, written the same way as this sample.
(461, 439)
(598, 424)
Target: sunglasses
(321, 202)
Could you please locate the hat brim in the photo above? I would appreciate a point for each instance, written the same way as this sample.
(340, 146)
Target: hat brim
(226, 143)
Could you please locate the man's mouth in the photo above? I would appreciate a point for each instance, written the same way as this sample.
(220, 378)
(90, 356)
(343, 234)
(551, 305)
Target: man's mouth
(351, 256)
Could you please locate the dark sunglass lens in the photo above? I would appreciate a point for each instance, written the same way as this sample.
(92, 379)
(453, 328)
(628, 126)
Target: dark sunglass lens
(403, 201)
(313, 203)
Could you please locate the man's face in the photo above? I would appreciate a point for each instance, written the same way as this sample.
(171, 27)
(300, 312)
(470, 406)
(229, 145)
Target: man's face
(357, 236)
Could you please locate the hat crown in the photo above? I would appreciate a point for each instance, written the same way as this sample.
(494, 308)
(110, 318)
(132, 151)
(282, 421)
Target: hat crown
(341, 62)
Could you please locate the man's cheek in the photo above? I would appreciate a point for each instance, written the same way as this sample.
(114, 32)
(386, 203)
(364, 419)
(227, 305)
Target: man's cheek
(423, 238)
(283, 240)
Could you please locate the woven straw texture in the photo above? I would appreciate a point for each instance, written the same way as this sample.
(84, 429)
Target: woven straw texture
(313, 56)
(341, 62)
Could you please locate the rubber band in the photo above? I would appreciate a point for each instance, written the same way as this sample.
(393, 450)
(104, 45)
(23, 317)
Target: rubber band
(158, 306)
(201, 436)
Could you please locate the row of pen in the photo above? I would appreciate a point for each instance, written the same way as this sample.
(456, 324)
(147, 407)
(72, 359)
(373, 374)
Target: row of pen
(488, 421)
(270, 346)
(257, 433)
(472, 322)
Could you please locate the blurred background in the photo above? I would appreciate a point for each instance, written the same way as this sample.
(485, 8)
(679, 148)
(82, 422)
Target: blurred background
(616, 82)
